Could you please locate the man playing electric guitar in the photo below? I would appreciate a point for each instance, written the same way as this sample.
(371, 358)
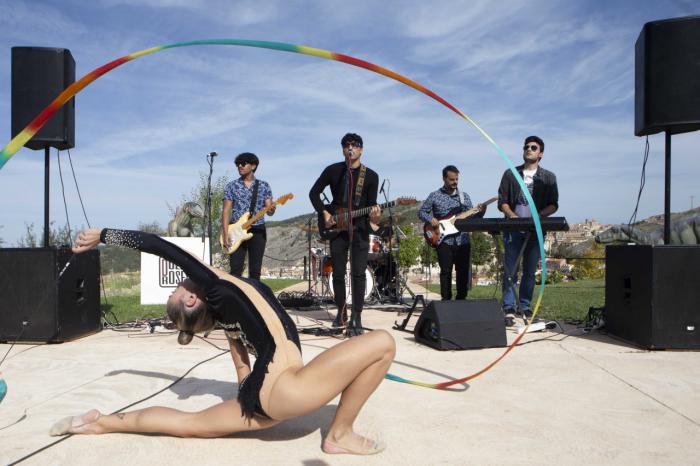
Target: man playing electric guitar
(246, 194)
(454, 250)
(353, 186)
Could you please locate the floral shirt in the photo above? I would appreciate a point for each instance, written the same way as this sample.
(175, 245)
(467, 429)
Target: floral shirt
(241, 196)
(442, 205)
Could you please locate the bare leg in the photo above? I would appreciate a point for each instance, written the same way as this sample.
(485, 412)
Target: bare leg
(219, 420)
(354, 368)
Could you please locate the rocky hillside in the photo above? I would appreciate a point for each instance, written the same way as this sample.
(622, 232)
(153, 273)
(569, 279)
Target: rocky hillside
(288, 240)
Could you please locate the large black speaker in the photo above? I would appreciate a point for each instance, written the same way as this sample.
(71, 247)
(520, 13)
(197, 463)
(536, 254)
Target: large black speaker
(667, 66)
(651, 295)
(463, 324)
(39, 75)
(56, 309)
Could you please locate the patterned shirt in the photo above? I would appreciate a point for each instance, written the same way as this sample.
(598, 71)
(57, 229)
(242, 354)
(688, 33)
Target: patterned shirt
(442, 205)
(241, 196)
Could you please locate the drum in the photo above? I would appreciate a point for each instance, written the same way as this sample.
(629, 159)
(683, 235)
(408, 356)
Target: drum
(369, 283)
(377, 248)
(316, 261)
(326, 266)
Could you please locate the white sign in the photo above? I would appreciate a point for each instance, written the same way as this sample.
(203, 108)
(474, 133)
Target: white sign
(159, 277)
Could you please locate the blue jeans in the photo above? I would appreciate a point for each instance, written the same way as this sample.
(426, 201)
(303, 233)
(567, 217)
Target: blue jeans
(513, 242)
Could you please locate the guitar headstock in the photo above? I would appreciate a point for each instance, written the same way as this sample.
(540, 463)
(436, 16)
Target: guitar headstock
(406, 201)
(282, 199)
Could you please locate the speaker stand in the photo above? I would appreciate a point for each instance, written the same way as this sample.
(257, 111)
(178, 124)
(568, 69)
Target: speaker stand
(402, 325)
(47, 164)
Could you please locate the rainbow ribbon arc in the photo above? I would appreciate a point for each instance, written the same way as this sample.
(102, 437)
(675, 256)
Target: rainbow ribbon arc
(31, 129)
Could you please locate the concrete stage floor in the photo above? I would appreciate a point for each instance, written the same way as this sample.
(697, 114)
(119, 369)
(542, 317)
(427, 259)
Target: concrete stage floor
(558, 398)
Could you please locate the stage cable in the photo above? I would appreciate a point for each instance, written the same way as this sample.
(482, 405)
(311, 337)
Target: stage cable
(642, 182)
(87, 220)
(46, 447)
(63, 194)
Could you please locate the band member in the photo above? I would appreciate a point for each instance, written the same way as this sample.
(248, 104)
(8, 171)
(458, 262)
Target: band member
(542, 185)
(455, 250)
(247, 194)
(353, 186)
(278, 387)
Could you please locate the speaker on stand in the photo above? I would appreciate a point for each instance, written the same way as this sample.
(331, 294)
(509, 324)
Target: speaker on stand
(39, 75)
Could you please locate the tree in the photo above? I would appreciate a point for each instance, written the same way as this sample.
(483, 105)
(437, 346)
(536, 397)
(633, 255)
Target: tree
(153, 227)
(199, 195)
(481, 248)
(57, 236)
(590, 265)
(410, 248)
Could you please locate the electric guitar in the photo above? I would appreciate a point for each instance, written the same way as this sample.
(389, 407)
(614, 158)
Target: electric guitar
(435, 235)
(341, 216)
(238, 232)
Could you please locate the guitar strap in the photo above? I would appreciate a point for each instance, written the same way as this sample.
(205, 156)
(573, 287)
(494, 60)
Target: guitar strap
(254, 198)
(359, 185)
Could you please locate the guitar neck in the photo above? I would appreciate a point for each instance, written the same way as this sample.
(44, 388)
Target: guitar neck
(366, 210)
(257, 216)
(473, 210)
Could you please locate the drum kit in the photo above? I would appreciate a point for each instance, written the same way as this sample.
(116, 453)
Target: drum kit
(382, 284)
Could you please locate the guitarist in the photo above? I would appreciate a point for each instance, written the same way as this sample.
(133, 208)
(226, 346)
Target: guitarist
(454, 250)
(353, 186)
(246, 194)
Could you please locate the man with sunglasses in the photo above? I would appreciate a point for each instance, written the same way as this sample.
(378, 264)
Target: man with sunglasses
(353, 186)
(247, 194)
(542, 185)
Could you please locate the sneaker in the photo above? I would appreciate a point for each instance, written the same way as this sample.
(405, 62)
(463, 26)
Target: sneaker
(509, 316)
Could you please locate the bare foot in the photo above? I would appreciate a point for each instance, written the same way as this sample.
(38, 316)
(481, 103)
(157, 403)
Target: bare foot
(352, 444)
(83, 424)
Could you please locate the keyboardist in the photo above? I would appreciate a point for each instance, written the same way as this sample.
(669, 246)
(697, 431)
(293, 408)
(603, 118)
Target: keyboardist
(542, 185)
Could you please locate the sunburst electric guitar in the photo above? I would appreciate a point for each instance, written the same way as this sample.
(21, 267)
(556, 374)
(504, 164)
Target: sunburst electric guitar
(238, 232)
(435, 235)
(342, 216)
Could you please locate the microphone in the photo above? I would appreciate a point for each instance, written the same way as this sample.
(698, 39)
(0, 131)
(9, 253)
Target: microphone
(381, 190)
(212, 154)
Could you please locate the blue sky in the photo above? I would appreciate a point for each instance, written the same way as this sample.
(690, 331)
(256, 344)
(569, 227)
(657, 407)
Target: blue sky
(561, 70)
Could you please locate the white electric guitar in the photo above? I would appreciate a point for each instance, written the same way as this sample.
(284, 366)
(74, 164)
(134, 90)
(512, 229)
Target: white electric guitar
(435, 235)
(238, 232)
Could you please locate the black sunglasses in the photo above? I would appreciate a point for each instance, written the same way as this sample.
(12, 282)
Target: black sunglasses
(242, 164)
(352, 144)
(532, 147)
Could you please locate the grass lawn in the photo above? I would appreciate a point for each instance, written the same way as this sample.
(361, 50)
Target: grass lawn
(124, 298)
(562, 301)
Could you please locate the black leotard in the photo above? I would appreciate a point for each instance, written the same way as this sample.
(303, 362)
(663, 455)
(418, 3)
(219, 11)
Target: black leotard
(228, 303)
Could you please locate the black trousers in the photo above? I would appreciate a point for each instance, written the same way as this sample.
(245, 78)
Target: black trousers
(339, 257)
(460, 258)
(255, 248)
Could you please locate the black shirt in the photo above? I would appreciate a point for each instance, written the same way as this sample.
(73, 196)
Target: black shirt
(334, 176)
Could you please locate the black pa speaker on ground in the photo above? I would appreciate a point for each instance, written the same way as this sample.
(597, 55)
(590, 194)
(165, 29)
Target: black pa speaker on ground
(463, 324)
(39, 75)
(650, 299)
(667, 66)
(56, 309)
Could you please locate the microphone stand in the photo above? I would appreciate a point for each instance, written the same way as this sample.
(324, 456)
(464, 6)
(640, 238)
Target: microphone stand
(390, 254)
(210, 161)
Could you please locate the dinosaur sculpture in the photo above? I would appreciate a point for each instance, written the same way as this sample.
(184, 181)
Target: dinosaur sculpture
(181, 225)
(685, 229)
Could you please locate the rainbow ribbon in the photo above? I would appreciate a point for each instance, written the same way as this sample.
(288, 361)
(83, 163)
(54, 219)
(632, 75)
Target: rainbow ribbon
(26, 134)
